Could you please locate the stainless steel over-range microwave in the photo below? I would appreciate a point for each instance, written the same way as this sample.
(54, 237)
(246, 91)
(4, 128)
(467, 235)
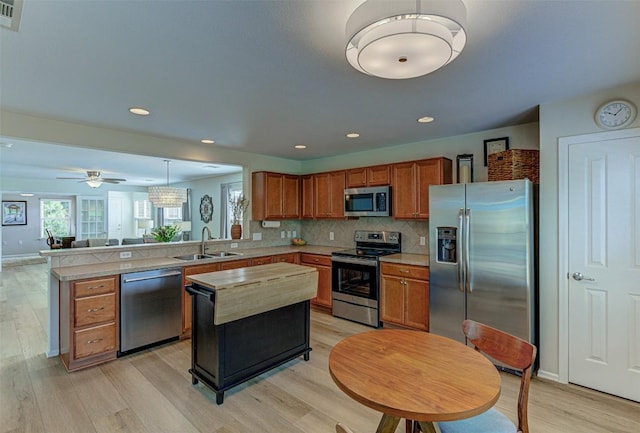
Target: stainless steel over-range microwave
(372, 201)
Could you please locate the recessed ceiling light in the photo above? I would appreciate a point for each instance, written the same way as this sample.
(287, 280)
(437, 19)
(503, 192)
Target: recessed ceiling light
(353, 135)
(207, 141)
(425, 119)
(139, 111)
(300, 146)
(24, 194)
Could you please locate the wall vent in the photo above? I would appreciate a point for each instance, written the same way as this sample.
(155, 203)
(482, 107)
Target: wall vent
(10, 13)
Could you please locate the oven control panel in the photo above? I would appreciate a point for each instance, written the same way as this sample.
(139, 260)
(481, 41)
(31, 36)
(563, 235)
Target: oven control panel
(382, 236)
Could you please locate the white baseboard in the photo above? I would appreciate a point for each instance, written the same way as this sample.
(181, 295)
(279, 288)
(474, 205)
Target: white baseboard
(547, 375)
(52, 353)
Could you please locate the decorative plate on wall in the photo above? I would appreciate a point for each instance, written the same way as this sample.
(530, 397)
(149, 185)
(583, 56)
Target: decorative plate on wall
(206, 208)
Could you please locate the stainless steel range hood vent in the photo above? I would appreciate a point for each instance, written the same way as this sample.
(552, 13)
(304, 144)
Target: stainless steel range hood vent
(10, 13)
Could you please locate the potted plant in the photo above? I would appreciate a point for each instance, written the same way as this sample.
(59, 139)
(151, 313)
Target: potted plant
(165, 233)
(238, 207)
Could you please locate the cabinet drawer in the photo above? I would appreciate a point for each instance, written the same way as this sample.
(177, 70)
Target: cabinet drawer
(94, 340)
(261, 261)
(235, 264)
(95, 309)
(285, 258)
(315, 259)
(95, 287)
(409, 271)
(201, 269)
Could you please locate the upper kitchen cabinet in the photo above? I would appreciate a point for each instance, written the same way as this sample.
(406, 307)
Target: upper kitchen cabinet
(410, 182)
(274, 196)
(307, 196)
(377, 175)
(328, 190)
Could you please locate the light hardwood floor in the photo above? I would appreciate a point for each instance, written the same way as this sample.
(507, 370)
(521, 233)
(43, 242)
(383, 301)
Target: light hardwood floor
(151, 391)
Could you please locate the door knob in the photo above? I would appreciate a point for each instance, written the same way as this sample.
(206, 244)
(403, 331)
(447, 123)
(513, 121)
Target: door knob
(579, 277)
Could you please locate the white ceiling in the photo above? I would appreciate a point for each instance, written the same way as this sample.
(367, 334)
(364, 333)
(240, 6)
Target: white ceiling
(262, 76)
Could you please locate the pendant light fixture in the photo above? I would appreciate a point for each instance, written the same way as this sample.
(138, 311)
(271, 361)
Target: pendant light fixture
(405, 38)
(167, 196)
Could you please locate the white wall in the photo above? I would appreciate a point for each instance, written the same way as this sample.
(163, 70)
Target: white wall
(520, 137)
(567, 118)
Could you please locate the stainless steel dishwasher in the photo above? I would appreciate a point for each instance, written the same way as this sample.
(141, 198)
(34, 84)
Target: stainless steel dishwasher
(150, 308)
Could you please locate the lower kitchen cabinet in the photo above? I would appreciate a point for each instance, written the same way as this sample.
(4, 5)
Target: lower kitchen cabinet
(235, 264)
(404, 295)
(88, 321)
(186, 298)
(323, 265)
(287, 258)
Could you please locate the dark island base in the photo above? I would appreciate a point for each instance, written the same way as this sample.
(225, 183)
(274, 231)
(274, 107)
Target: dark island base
(223, 356)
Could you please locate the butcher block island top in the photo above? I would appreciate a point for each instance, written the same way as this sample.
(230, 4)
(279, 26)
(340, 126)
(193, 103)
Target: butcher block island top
(248, 291)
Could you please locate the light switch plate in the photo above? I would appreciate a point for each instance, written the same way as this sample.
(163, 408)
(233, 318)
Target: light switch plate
(423, 240)
(257, 236)
(330, 236)
(125, 255)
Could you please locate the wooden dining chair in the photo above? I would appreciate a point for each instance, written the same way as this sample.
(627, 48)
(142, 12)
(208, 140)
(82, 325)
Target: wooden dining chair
(512, 352)
(341, 428)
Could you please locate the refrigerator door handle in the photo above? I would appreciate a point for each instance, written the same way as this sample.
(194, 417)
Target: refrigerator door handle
(461, 285)
(467, 238)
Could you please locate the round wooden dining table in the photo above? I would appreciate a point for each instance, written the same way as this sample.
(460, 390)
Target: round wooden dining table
(414, 375)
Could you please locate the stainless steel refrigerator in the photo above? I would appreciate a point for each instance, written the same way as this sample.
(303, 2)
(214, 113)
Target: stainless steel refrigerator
(481, 254)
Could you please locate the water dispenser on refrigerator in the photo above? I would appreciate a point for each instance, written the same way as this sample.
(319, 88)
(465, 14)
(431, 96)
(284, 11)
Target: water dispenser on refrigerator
(446, 245)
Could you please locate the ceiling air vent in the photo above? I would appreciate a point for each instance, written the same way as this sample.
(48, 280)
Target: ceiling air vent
(10, 12)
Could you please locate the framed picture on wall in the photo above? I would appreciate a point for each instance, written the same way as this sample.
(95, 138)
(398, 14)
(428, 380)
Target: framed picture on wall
(495, 145)
(14, 213)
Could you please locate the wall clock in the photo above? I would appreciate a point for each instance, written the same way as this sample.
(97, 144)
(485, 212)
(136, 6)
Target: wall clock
(615, 114)
(206, 208)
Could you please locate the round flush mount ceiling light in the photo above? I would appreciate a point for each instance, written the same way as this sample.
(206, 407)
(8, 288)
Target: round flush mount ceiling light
(405, 38)
(300, 146)
(352, 135)
(207, 141)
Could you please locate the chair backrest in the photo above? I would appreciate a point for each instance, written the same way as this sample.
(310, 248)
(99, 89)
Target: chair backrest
(132, 241)
(80, 243)
(509, 350)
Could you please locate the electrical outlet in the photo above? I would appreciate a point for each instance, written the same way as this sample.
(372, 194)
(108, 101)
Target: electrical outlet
(330, 236)
(282, 234)
(257, 236)
(288, 233)
(125, 255)
(423, 240)
(295, 234)
(233, 245)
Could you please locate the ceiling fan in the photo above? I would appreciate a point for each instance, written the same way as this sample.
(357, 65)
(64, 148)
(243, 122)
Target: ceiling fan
(94, 180)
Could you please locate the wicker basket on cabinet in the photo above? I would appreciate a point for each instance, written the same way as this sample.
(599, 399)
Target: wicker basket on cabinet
(514, 164)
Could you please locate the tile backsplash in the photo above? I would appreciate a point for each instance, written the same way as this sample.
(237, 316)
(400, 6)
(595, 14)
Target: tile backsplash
(317, 232)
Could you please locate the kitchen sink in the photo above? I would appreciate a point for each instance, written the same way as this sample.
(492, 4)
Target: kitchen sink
(224, 254)
(195, 257)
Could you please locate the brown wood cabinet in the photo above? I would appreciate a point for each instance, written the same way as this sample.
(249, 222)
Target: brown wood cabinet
(328, 189)
(323, 265)
(404, 295)
(287, 258)
(308, 196)
(376, 175)
(274, 196)
(411, 182)
(88, 321)
(186, 298)
(235, 264)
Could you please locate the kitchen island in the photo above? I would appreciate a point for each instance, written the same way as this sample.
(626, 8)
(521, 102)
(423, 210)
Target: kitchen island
(247, 321)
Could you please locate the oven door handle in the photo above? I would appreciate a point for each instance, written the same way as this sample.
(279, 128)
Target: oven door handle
(364, 262)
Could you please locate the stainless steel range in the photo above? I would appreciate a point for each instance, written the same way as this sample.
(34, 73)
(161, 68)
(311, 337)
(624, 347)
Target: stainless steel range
(356, 276)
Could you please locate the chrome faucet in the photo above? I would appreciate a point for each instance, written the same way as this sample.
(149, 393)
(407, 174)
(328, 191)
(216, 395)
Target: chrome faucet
(204, 229)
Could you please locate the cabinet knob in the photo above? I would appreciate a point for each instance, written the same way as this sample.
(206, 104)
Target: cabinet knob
(97, 340)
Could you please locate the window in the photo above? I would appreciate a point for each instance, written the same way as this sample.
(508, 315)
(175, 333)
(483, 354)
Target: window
(172, 215)
(55, 215)
(228, 191)
(142, 209)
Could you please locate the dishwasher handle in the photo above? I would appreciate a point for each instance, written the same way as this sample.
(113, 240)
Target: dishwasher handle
(195, 292)
(152, 277)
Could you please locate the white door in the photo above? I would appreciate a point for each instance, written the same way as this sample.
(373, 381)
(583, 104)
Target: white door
(604, 265)
(115, 218)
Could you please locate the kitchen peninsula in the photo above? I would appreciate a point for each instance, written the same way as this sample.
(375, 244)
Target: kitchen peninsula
(247, 321)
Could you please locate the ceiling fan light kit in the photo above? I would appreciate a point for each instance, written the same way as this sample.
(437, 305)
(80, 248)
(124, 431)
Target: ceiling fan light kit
(167, 196)
(405, 38)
